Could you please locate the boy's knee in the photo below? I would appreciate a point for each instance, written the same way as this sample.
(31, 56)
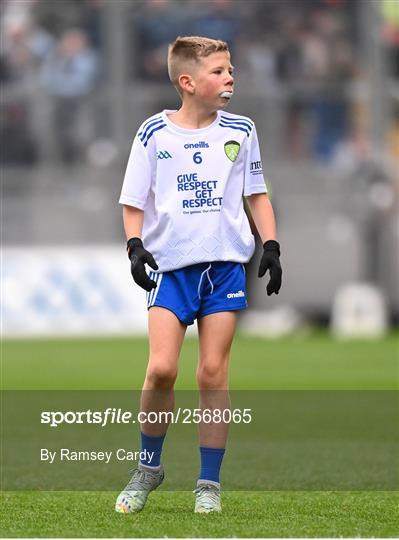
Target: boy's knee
(161, 376)
(212, 375)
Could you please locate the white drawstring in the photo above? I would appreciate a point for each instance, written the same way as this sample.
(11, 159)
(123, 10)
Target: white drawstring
(207, 273)
(200, 281)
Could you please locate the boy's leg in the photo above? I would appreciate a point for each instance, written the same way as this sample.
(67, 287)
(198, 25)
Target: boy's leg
(216, 332)
(166, 335)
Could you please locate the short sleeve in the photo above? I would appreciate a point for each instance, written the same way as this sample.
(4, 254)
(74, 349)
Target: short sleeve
(254, 181)
(137, 181)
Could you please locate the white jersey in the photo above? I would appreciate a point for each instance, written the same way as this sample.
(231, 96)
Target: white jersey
(190, 184)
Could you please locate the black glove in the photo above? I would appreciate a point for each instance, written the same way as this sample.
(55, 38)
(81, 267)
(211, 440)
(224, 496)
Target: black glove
(138, 257)
(270, 261)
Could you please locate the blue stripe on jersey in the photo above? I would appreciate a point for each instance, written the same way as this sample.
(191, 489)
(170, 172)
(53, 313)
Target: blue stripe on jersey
(146, 124)
(150, 134)
(232, 126)
(238, 121)
(155, 122)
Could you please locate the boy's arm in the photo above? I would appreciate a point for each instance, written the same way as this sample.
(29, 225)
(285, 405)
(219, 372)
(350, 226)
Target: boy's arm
(133, 222)
(263, 216)
(134, 194)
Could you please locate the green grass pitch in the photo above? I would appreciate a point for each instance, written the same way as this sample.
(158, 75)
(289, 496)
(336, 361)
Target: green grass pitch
(313, 361)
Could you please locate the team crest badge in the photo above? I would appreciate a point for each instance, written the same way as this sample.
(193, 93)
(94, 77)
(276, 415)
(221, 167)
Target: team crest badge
(232, 149)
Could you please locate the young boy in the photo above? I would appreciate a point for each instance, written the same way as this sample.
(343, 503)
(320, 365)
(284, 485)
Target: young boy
(184, 216)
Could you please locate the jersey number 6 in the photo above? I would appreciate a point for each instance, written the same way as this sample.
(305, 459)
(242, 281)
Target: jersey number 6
(197, 157)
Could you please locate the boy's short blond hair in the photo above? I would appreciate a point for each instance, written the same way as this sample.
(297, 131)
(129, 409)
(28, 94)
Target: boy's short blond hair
(190, 49)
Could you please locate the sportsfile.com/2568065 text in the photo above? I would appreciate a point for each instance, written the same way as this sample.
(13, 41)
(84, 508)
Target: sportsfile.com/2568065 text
(120, 416)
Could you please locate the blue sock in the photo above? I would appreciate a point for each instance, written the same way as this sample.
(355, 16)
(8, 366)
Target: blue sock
(153, 448)
(211, 461)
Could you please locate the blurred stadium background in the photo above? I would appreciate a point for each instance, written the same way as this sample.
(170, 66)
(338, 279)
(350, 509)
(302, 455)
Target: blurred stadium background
(319, 77)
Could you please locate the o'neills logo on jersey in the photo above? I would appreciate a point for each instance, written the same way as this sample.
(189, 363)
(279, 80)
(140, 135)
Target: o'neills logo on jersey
(201, 144)
(238, 294)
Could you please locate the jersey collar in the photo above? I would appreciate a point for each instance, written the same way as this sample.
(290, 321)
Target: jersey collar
(165, 116)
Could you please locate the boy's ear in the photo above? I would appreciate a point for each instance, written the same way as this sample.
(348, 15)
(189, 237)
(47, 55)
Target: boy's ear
(186, 83)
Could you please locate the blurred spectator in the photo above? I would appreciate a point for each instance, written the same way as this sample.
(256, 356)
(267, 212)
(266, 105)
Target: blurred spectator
(291, 73)
(158, 25)
(315, 64)
(24, 47)
(16, 142)
(261, 59)
(85, 14)
(57, 16)
(92, 22)
(70, 74)
(393, 136)
(216, 20)
(328, 63)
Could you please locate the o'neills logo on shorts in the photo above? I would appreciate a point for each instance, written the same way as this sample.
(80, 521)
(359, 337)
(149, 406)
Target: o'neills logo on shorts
(238, 294)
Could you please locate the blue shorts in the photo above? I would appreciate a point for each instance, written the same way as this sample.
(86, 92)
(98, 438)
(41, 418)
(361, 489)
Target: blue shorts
(201, 289)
